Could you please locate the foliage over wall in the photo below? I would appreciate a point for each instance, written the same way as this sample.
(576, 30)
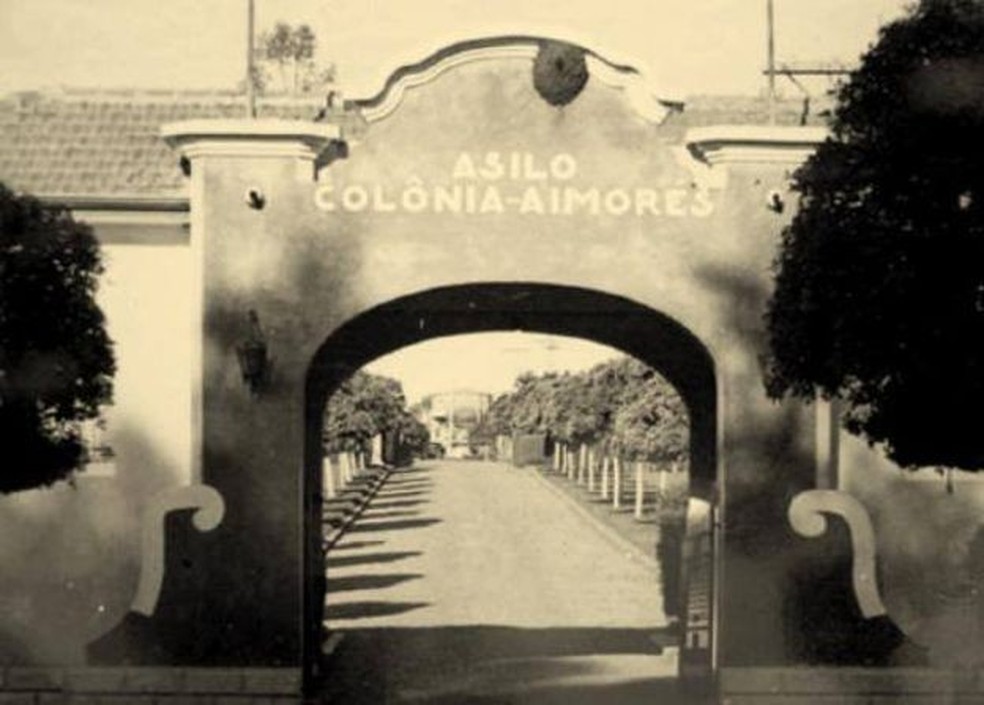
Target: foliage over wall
(621, 404)
(367, 405)
(879, 297)
(285, 63)
(56, 360)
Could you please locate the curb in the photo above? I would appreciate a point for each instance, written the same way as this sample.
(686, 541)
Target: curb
(367, 497)
(608, 533)
(334, 639)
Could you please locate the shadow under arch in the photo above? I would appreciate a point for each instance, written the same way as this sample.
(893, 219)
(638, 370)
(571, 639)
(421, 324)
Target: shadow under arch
(636, 329)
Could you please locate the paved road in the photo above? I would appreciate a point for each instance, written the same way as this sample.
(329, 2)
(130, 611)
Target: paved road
(472, 582)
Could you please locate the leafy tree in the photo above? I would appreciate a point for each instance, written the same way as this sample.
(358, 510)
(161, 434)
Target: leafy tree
(652, 426)
(414, 435)
(879, 296)
(586, 404)
(287, 53)
(347, 426)
(496, 421)
(56, 360)
(623, 403)
(533, 408)
(579, 418)
(364, 406)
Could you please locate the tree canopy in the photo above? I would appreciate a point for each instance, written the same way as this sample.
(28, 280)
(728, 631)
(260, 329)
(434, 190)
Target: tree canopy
(286, 61)
(623, 404)
(366, 405)
(879, 296)
(56, 360)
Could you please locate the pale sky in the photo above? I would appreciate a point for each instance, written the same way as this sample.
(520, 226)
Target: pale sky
(485, 362)
(689, 46)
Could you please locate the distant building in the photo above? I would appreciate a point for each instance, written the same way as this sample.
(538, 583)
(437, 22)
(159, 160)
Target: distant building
(451, 417)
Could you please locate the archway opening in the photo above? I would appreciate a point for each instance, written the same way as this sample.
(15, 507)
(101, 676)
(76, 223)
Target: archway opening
(639, 331)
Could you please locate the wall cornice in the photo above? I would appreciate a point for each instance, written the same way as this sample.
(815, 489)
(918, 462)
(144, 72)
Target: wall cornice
(120, 202)
(250, 138)
(754, 144)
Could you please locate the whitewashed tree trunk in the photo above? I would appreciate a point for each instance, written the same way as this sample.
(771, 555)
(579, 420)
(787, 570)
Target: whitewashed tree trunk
(328, 477)
(582, 465)
(556, 457)
(605, 462)
(345, 460)
(377, 450)
(336, 472)
(640, 489)
(591, 469)
(617, 482)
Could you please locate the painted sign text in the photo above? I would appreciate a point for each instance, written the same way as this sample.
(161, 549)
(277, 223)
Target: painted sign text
(516, 183)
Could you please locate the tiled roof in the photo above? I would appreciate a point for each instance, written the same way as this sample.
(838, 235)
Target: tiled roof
(108, 143)
(704, 110)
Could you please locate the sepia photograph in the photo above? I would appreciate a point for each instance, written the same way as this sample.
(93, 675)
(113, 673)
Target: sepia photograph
(508, 353)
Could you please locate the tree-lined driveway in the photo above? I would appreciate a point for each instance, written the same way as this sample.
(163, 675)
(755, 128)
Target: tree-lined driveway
(472, 582)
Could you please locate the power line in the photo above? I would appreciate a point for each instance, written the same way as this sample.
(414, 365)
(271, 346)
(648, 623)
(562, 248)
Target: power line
(793, 69)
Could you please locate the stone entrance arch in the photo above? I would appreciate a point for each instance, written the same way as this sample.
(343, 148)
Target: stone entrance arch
(506, 183)
(612, 320)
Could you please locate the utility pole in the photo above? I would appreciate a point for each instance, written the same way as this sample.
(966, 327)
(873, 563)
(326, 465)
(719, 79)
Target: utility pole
(250, 33)
(771, 30)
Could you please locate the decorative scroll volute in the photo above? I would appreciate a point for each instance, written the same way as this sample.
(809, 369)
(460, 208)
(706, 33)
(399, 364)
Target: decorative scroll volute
(807, 516)
(209, 510)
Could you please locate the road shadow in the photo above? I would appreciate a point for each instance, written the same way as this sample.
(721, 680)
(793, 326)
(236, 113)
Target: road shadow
(340, 504)
(395, 514)
(399, 495)
(368, 558)
(396, 482)
(352, 545)
(482, 665)
(367, 582)
(362, 527)
(593, 499)
(356, 484)
(387, 490)
(398, 504)
(369, 608)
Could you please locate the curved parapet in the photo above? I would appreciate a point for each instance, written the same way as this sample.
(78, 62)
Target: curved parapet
(650, 103)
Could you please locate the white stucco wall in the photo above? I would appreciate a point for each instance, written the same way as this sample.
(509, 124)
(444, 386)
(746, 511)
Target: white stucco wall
(930, 549)
(147, 298)
(70, 554)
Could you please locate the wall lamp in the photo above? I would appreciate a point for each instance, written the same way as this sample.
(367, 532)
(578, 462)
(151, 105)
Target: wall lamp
(254, 363)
